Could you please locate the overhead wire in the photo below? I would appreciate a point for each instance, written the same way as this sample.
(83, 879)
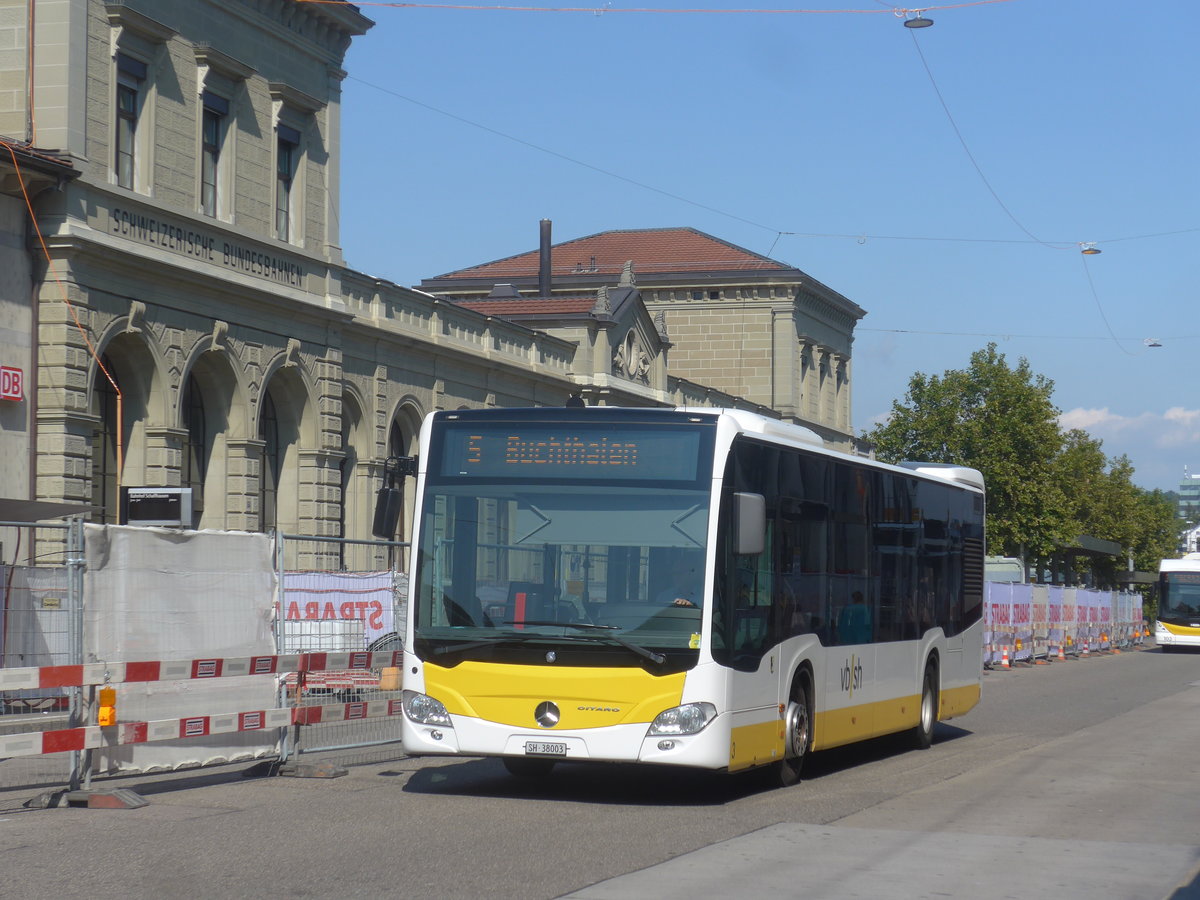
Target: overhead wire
(971, 156)
(995, 196)
(596, 10)
(779, 233)
(1010, 335)
(860, 237)
(1099, 307)
(607, 172)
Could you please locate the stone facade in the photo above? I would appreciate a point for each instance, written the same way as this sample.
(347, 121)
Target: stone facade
(194, 330)
(740, 322)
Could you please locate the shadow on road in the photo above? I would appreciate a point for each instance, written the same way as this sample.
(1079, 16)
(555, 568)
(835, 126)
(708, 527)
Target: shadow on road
(628, 784)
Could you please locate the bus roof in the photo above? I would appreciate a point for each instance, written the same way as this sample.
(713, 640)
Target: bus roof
(753, 423)
(1189, 563)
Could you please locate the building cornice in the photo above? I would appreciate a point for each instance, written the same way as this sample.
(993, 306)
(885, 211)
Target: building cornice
(123, 16)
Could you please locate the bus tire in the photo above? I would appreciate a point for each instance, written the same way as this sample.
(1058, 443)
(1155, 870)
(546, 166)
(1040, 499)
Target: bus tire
(526, 767)
(922, 734)
(797, 733)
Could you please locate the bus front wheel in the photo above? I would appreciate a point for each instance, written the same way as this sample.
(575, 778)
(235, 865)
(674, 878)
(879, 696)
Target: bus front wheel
(923, 733)
(797, 734)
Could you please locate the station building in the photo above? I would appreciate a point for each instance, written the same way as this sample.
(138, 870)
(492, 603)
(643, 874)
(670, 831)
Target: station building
(181, 316)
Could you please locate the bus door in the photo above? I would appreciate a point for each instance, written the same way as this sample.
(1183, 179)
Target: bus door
(754, 691)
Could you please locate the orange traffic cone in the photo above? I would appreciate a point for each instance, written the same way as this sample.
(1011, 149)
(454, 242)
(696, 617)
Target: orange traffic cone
(1004, 663)
(1061, 654)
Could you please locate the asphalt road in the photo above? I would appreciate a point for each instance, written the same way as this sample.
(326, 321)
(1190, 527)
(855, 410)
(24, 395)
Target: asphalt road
(1075, 779)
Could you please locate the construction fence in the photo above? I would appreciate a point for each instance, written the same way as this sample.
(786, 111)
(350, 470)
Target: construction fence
(1028, 622)
(295, 618)
(132, 649)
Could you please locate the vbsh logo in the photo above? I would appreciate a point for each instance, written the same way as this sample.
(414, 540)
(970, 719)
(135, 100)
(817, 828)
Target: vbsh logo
(852, 675)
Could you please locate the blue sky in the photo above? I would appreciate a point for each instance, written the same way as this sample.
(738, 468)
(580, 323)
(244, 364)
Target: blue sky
(833, 141)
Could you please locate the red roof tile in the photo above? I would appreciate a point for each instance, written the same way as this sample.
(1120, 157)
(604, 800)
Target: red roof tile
(549, 306)
(653, 251)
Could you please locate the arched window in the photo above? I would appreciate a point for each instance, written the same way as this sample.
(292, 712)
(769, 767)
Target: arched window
(197, 445)
(105, 503)
(268, 481)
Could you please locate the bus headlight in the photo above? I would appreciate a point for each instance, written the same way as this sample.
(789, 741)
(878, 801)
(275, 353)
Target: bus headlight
(425, 710)
(687, 719)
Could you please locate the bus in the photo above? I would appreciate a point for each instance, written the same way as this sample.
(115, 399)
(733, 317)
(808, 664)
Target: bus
(1178, 623)
(832, 598)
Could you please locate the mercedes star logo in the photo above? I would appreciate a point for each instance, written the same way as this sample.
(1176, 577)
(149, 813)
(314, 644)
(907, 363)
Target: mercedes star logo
(546, 714)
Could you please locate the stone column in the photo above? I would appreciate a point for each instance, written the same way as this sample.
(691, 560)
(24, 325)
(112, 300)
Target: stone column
(828, 387)
(320, 487)
(243, 472)
(785, 363)
(164, 456)
(807, 401)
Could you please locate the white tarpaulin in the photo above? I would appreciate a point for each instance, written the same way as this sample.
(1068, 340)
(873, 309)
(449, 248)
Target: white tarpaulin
(159, 594)
(337, 611)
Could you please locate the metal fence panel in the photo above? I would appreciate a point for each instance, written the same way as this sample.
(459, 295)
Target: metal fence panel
(39, 619)
(341, 595)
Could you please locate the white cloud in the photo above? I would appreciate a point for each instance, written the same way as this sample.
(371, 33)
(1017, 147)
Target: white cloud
(1181, 426)
(1088, 419)
(1159, 444)
(1173, 428)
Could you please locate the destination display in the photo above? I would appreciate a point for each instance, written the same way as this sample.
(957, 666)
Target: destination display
(538, 451)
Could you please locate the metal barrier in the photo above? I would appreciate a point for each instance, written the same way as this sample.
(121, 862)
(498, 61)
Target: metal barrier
(239, 597)
(1030, 623)
(110, 732)
(41, 625)
(339, 595)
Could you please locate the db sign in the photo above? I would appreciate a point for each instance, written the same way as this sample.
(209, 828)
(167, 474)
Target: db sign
(12, 383)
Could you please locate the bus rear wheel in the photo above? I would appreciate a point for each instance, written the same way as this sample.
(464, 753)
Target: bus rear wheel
(923, 732)
(797, 734)
(525, 767)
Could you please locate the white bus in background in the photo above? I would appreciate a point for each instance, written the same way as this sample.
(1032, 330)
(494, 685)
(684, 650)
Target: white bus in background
(829, 598)
(1178, 622)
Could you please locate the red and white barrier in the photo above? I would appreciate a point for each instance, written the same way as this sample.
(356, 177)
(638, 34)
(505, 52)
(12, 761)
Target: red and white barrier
(33, 678)
(94, 737)
(332, 681)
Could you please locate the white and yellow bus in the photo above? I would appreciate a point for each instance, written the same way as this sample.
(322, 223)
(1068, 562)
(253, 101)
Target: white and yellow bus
(704, 588)
(1178, 623)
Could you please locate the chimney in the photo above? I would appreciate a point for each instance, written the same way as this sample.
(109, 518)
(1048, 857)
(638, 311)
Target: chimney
(544, 260)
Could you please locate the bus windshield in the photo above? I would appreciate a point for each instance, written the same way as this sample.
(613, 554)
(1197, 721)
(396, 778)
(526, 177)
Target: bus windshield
(1179, 597)
(525, 549)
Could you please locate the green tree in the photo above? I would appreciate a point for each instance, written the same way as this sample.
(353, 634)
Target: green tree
(1159, 534)
(1103, 502)
(1159, 530)
(1046, 487)
(1000, 420)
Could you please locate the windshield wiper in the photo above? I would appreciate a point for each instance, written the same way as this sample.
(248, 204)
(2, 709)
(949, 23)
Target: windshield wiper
(657, 658)
(475, 645)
